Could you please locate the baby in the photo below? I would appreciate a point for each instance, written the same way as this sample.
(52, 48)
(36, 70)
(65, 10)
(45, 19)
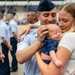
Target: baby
(50, 45)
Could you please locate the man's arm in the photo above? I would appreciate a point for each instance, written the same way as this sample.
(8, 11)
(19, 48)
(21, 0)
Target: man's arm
(7, 43)
(27, 29)
(26, 53)
(15, 36)
(0, 49)
(34, 26)
(1, 55)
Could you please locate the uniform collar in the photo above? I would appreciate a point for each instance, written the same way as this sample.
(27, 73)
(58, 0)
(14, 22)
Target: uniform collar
(1, 20)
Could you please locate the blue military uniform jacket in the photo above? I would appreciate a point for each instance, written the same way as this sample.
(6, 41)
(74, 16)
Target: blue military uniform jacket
(31, 67)
(13, 27)
(4, 30)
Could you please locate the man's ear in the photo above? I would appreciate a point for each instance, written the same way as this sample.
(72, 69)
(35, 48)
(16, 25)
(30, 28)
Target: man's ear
(38, 16)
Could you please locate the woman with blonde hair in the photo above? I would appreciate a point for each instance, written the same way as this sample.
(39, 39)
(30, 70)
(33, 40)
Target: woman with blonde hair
(66, 48)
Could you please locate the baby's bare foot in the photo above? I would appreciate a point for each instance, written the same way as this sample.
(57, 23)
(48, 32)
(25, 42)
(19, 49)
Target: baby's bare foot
(58, 63)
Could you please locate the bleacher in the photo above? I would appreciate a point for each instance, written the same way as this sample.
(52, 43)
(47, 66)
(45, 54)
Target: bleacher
(20, 6)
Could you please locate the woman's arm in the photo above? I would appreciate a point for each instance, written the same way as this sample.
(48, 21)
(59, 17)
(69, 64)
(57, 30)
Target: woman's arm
(62, 54)
(34, 26)
(27, 29)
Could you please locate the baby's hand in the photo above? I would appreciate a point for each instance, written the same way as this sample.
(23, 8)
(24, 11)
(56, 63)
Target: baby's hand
(2, 57)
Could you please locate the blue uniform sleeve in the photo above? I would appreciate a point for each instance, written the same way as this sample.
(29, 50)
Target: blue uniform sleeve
(23, 42)
(13, 28)
(3, 32)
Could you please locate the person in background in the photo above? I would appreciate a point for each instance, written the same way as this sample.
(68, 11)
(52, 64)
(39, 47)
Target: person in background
(32, 20)
(5, 44)
(13, 38)
(66, 47)
(32, 15)
(27, 47)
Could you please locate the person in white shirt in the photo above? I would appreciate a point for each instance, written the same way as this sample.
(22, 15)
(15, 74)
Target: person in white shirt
(66, 48)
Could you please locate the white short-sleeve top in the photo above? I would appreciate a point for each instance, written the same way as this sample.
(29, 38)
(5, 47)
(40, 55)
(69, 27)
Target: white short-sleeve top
(68, 41)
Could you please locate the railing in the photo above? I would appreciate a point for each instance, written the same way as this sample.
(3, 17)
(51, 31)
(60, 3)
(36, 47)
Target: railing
(22, 3)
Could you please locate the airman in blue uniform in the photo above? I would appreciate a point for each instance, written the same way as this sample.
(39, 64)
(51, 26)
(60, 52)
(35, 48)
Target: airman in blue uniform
(31, 67)
(26, 47)
(13, 38)
(5, 43)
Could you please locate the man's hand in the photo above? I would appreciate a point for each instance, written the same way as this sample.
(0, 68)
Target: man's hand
(10, 48)
(42, 31)
(2, 57)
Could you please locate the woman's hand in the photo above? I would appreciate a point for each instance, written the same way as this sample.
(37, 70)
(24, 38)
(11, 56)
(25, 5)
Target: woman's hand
(42, 31)
(25, 31)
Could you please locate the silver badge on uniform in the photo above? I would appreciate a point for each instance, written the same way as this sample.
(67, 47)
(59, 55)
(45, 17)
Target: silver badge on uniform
(20, 40)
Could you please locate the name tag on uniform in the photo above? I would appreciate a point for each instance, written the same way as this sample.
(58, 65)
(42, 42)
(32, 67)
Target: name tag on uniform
(20, 40)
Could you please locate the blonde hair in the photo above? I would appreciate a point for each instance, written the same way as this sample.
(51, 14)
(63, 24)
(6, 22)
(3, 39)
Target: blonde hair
(70, 8)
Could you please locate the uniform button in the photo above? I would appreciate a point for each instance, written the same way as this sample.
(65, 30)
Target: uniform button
(46, 52)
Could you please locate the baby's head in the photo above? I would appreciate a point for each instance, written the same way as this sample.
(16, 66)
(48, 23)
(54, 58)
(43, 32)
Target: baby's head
(54, 32)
